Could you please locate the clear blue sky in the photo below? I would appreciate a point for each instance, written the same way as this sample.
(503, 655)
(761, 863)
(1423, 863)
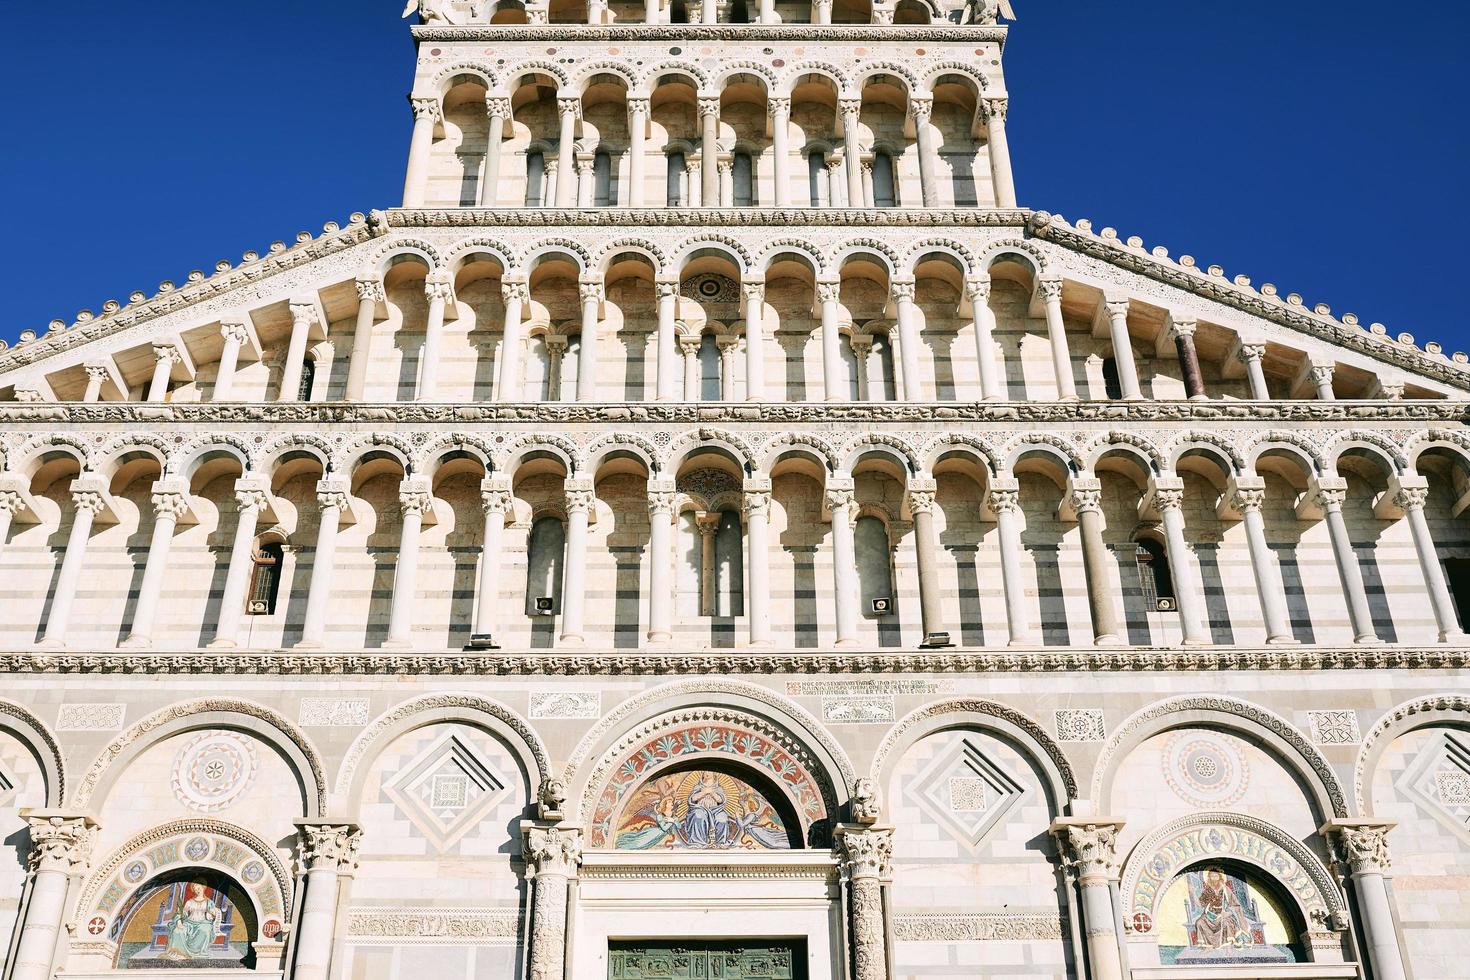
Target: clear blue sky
(1318, 145)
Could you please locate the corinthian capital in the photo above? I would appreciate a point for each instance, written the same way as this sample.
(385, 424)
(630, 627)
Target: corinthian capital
(329, 845)
(1089, 847)
(552, 850)
(922, 109)
(1361, 844)
(579, 495)
(996, 109)
(866, 853)
(60, 841)
(426, 108)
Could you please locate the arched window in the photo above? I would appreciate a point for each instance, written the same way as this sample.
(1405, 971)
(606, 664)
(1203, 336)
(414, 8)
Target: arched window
(265, 579)
(1221, 914)
(187, 920)
(881, 384)
(709, 369)
(308, 380)
(816, 171)
(1153, 575)
(675, 181)
(885, 187)
(535, 178)
(602, 195)
(1112, 387)
(874, 567)
(743, 173)
(544, 551)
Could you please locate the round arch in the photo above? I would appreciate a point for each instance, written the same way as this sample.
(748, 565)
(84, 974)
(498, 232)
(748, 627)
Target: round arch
(1438, 709)
(32, 732)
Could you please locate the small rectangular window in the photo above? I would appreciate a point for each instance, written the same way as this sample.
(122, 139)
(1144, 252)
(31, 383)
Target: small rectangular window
(265, 581)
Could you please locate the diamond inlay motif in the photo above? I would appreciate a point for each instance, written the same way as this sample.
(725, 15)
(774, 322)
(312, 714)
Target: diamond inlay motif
(967, 792)
(1439, 782)
(446, 790)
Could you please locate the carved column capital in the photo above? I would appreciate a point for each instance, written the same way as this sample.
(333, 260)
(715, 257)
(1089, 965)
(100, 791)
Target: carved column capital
(60, 840)
(12, 503)
(1248, 352)
(1182, 328)
(169, 502)
(709, 105)
(829, 292)
(661, 498)
(1361, 845)
(251, 498)
(1089, 847)
(779, 106)
(590, 291)
(552, 850)
(97, 371)
(439, 287)
(1050, 289)
(903, 290)
(978, 289)
(168, 353)
(426, 108)
(90, 500)
(922, 109)
(579, 495)
(414, 497)
(569, 106)
(331, 493)
(495, 495)
(498, 105)
(515, 290)
(922, 491)
(849, 107)
(303, 314)
(866, 852)
(639, 105)
(328, 845)
(996, 109)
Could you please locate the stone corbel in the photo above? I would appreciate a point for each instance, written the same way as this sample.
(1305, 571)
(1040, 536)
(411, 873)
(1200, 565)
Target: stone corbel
(1229, 506)
(1389, 505)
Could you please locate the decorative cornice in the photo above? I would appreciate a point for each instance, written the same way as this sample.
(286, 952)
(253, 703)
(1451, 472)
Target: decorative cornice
(753, 217)
(589, 662)
(537, 33)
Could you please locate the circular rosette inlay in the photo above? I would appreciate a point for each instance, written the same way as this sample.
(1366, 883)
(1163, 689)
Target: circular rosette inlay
(214, 770)
(1205, 769)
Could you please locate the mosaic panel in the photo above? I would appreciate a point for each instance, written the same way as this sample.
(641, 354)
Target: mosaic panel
(214, 770)
(1080, 725)
(701, 810)
(1205, 769)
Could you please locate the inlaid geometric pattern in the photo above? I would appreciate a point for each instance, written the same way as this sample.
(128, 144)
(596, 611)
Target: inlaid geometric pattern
(446, 790)
(1336, 727)
(1439, 782)
(966, 791)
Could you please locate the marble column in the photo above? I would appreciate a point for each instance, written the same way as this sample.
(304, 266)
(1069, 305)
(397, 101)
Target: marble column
(987, 356)
(779, 107)
(1089, 852)
(852, 152)
(867, 855)
(1084, 500)
(12, 503)
(843, 504)
(1004, 499)
(426, 114)
(727, 183)
(586, 180)
(1000, 153)
(328, 852)
(1251, 355)
(709, 150)
(707, 523)
(570, 110)
(822, 11)
(497, 111)
(1322, 381)
(580, 501)
(1330, 493)
(234, 335)
(370, 295)
(755, 340)
(552, 856)
(1166, 495)
(758, 559)
(89, 495)
(165, 356)
(922, 491)
(1123, 349)
(252, 494)
(591, 295)
(660, 561)
(1182, 332)
(60, 849)
(331, 498)
(708, 11)
(508, 384)
(834, 382)
(665, 341)
(439, 289)
(869, 389)
(303, 318)
(869, 194)
(97, 376)
(638, 109)
(689, 348)
(414, 500)
(651, 12)
(1410, 493)
(767, 13)
(170, 502)
(1056, 329)
(1362, 849)
(727, 347)
(908, 339)
(1247, 494)
(550, 184)
(923, 110)
(496, 500)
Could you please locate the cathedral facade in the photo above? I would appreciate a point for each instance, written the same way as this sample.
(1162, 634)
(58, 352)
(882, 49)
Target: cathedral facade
(710, 530)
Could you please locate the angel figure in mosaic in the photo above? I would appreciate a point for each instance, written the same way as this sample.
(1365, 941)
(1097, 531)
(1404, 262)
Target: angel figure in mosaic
(754, 829)
(665, 828)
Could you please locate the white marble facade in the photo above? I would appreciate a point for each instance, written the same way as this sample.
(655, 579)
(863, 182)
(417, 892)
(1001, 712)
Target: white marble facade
(711, 516)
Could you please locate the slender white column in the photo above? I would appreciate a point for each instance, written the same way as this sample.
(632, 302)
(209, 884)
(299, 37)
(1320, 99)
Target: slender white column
(923, 109)
(426, 114)
(689, 348)
(1089, 848)
(234, 335)
(1251, 355)
(852, 153)
(96, 377)
(591, 292)
(89, 495)
(727, 183)
(660, 561)
(495, 498)
(666, 357)
(414, 500)
(1330, 493)
(328, 852)
(1056, 329)
(570, 110)
(758, 559)
(689, 186)
(843, 503)
(707, 524)
(580, 500)
(767, 12)
(637, 141)
(369, 295)
(331, 497)
(833, 381)
(708, 11)
(868, 388)
(1362, 849)
(440, 290)
(822, 10)
(1322, 382)
(869, 198)
(1084, 499)
(60, 849)
(651, 12)
(1166, 495)
(303, 316)
(508, 386)
(170, 502)
(550, 187)
(586, 181)
(1123, 349)
(552, 856)
(165, 356)
(596, 12)
(866, 854)
(709, 150)
(727, 347)
(252, 494)
(1004, 500)
(922, 491)
(1000, 153)
(755, 341)
(1247, 494)
(497, 111)
(908, 338)
(987, 356)
(779, 107)
(1410, 493)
